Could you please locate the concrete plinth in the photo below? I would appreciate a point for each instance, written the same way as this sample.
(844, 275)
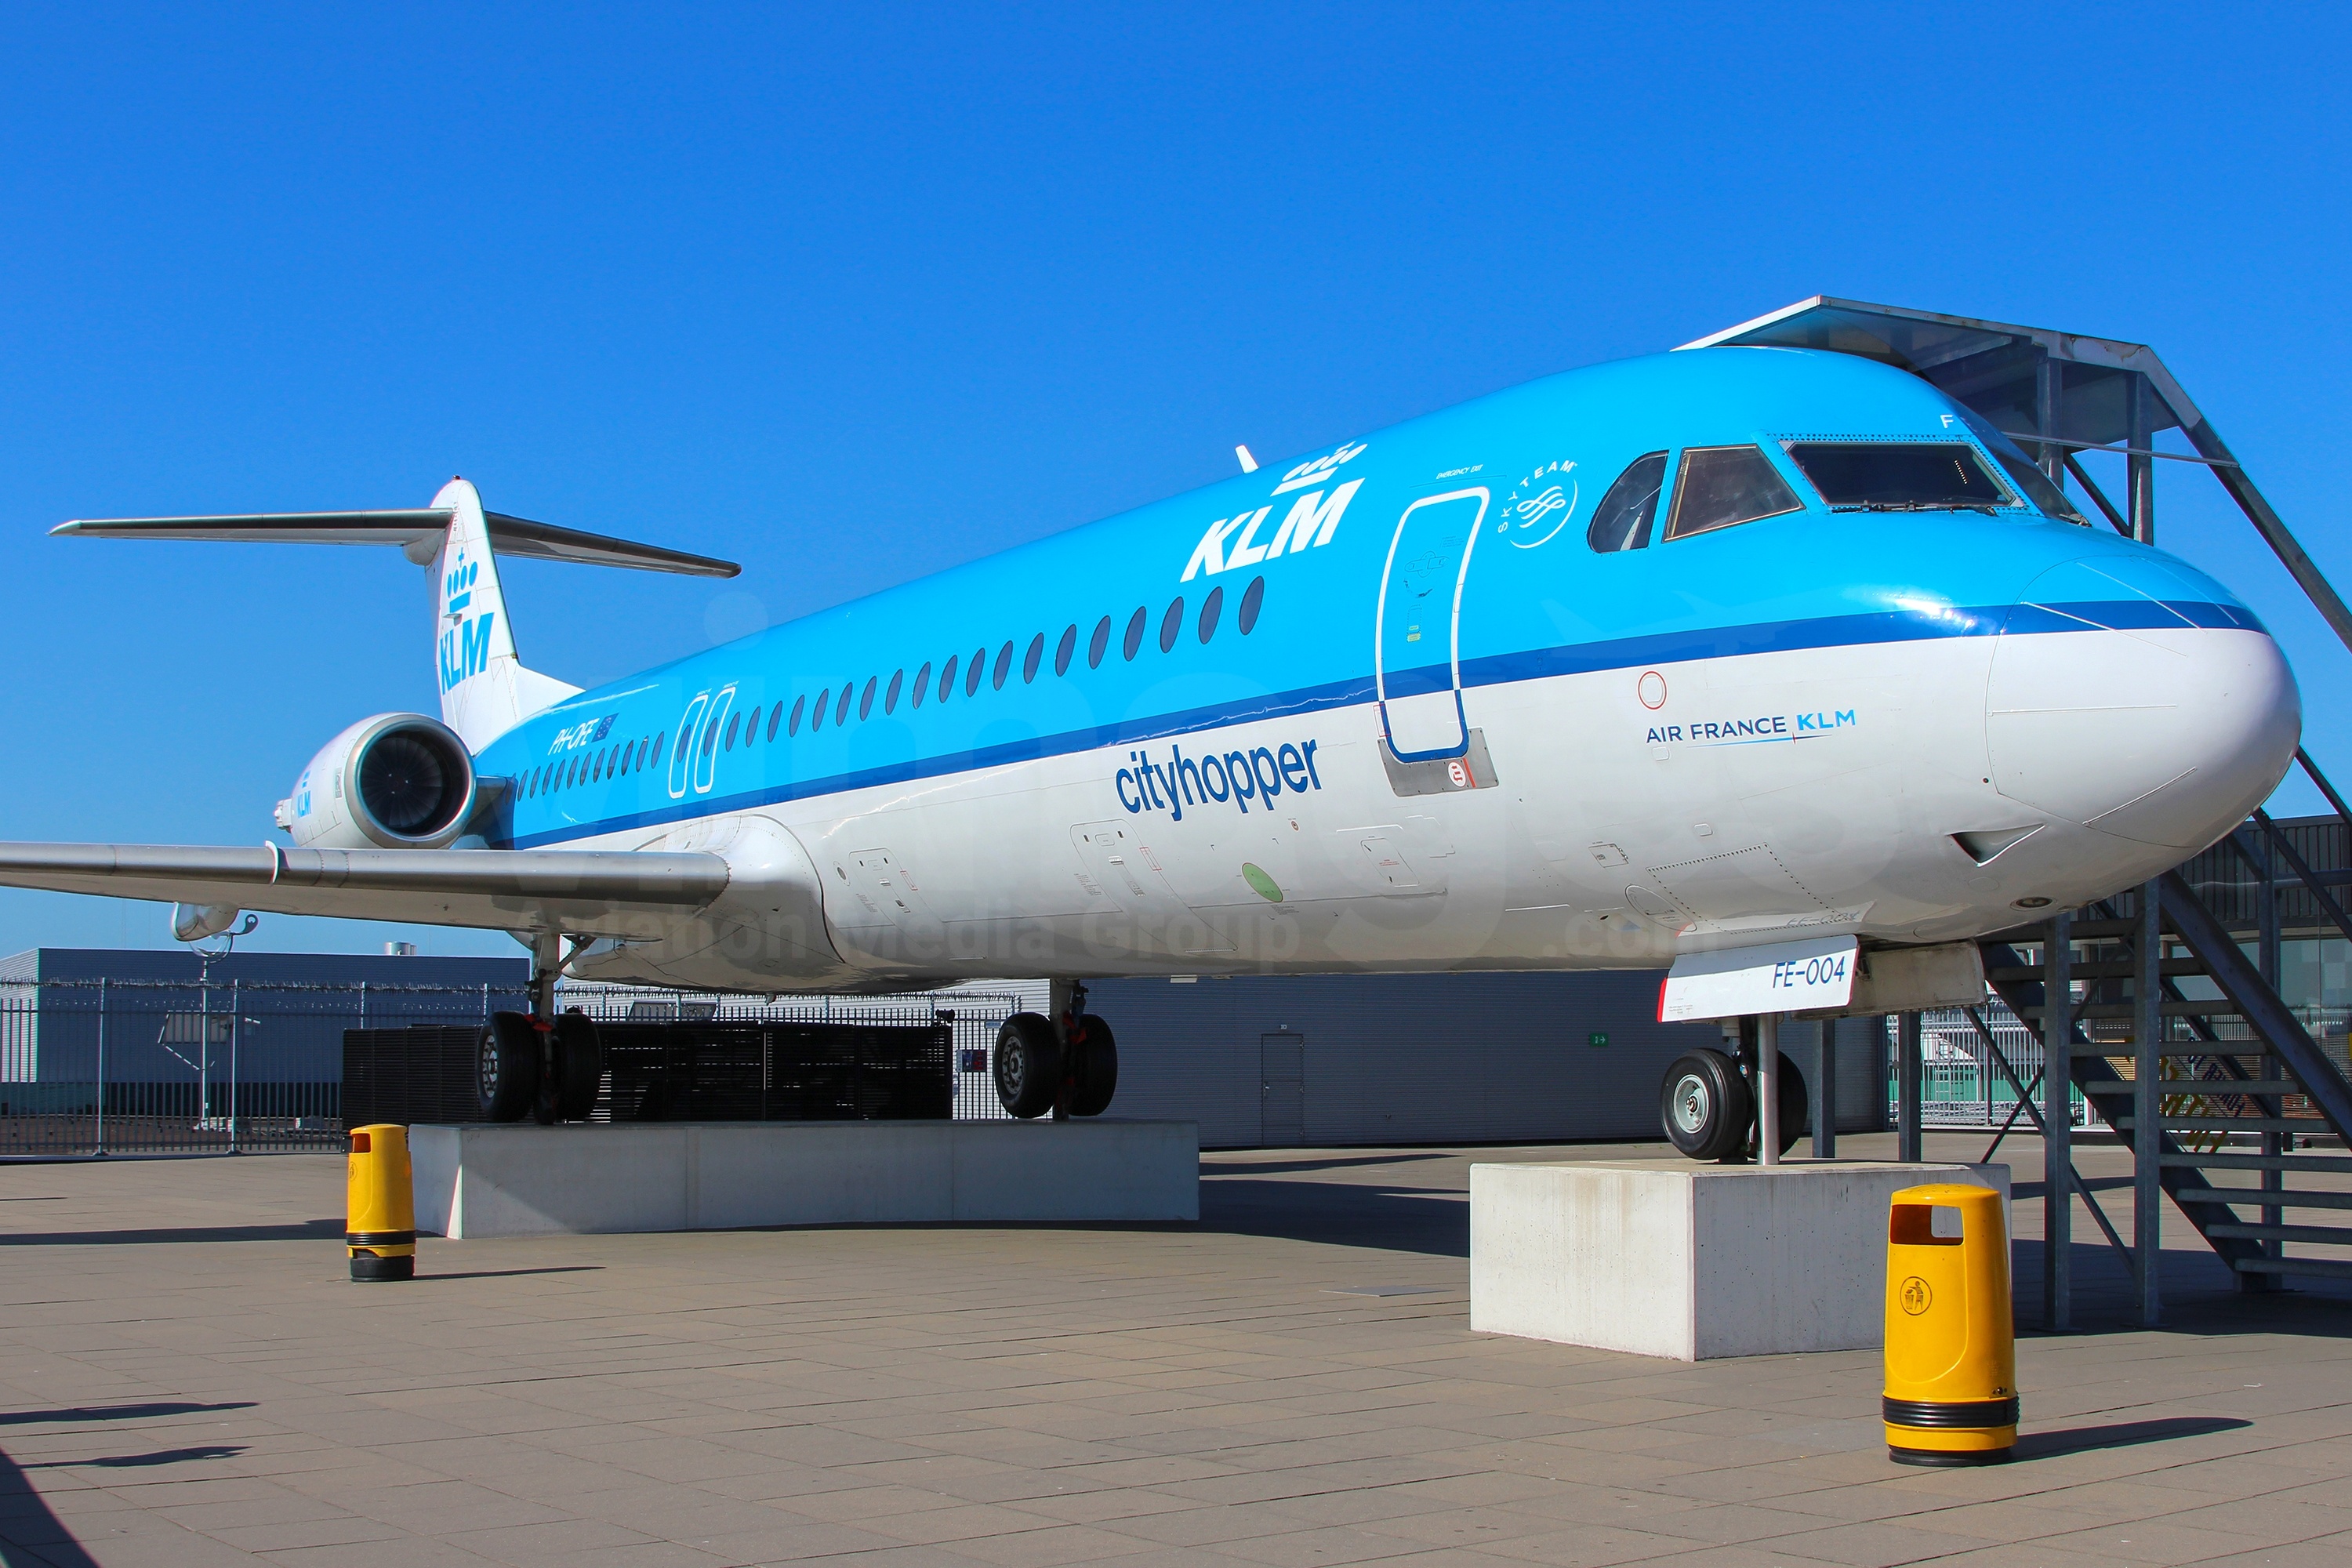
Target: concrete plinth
(1666, 1257)
(527, 1180)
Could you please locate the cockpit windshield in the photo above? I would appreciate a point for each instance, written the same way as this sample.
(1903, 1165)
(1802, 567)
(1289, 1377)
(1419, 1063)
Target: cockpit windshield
(1900, 476)
(2038, 488)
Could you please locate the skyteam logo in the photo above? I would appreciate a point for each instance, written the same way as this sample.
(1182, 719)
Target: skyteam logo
(465, 647)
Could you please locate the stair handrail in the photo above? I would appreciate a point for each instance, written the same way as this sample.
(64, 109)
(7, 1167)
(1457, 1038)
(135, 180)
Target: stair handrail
(2302, 868)
(2312, 769)
(2280, 1030)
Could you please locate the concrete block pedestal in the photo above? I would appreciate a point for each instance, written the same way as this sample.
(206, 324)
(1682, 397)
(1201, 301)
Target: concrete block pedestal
(1668, 1258)
(520, 1179)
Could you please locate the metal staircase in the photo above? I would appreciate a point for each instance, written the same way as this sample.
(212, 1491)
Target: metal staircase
(2177, 1039)
(2181, 1043)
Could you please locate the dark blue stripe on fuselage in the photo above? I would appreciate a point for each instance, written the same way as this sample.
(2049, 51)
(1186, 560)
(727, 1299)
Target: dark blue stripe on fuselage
(1494, 669)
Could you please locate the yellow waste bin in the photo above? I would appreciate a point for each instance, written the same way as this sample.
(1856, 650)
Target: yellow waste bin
(1951, 1347)
(380, 1205)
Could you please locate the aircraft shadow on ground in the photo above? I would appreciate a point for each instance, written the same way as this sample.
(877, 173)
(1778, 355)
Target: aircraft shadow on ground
(2201, 1294)
(1435, 1221)
(118, 1412)
(1333, 1162)
(30, 1534)
(299, 1230)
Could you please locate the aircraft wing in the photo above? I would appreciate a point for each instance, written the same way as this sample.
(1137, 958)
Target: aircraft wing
(416, 530)
(582, 891)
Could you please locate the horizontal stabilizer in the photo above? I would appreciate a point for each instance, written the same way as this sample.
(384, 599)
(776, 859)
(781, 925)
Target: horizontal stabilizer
(618, 893)
(417, 530)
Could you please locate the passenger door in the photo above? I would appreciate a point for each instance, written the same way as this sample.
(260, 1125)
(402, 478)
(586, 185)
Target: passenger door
(1417, 629)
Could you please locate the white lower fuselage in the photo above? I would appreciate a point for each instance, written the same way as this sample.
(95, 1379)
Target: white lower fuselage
(1632, 815)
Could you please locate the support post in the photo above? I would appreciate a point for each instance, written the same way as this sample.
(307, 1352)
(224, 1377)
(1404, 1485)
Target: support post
(98, 1136)
(2045, 417)
(546, 960)
(2058, 1126)
(1825, 1092)
(2274, 1179)
(2139, 472)
(1768, 1089)
(2147, 1107)
(235, 1029)
(1907, 1087)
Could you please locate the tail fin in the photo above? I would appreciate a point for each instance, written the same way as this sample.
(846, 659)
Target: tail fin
(485, 689)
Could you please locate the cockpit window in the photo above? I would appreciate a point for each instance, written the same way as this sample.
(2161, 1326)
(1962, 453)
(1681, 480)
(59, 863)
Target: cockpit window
(2038, 488)
(1900, 476)
(1623, 519)
(1722, 486)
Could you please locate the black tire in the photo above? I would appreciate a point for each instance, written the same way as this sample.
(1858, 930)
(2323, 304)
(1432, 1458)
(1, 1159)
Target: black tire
(1097, 1067)
(1706, 1106)
(579, 1067)
(1796, 1104)
(1027, 1065)
(508, 1079)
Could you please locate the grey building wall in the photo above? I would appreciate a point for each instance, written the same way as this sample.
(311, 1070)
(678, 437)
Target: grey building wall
(1423, 1058)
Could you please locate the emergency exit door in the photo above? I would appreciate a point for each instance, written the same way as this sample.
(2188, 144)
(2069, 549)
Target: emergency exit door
(1417, 632)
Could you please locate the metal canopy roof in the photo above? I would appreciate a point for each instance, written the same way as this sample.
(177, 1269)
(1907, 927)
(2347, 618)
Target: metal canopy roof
(2058, 394)
(1989, 365)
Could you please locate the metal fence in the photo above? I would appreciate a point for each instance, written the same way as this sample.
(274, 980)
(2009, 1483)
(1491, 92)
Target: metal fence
(1961, 1083)
(116, 1067)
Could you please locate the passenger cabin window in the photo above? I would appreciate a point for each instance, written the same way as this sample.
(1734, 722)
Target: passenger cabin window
(1721, 486)
(1623, 519)
(1899, 475)
(1253, 597)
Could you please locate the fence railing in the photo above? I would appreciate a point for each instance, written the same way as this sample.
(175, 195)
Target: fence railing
(1961, 1083)
(120, 1067)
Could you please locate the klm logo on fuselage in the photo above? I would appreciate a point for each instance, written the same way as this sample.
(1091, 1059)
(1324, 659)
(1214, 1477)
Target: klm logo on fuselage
(1231, 542)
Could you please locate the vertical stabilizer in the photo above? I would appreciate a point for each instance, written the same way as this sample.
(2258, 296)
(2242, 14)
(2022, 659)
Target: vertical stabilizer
(485, 689)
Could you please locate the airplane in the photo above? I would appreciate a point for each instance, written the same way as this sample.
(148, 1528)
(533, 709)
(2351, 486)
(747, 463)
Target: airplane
(1697, 661)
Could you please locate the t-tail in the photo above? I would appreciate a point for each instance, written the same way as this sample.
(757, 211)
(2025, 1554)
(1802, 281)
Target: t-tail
(485, 687)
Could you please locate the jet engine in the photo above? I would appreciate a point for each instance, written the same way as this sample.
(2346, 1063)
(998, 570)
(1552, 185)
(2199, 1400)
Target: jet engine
(398, 780)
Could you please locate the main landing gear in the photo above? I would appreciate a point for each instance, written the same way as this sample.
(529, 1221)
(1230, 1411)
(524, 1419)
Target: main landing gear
(1708, 1101)
(539, 1064)
(1067, 1064)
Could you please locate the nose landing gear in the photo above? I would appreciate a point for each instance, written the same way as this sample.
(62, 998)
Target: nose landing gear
(1707, 1102)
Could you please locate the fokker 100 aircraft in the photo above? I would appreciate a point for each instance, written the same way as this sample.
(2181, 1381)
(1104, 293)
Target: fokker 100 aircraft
(1728, 648)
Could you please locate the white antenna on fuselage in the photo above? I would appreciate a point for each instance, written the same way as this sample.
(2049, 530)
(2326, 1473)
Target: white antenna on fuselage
(1249, 463)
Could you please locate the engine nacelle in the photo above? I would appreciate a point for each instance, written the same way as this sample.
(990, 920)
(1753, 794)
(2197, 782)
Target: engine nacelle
(398, 780)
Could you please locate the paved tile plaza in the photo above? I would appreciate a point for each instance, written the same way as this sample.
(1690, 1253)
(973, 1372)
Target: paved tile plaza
(189, 1378)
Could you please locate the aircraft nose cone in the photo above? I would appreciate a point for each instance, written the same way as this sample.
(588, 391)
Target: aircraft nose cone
(2135, 696)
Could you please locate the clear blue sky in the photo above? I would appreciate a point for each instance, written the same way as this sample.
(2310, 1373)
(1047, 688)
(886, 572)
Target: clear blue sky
(853, 294)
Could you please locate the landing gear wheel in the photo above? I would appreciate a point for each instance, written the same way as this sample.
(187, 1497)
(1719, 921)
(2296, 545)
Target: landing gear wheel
(1794, 1104)
(1095, 1073)
(578, 1067)
(509, 1067)
(1705, 1105)
(1027, 1065)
